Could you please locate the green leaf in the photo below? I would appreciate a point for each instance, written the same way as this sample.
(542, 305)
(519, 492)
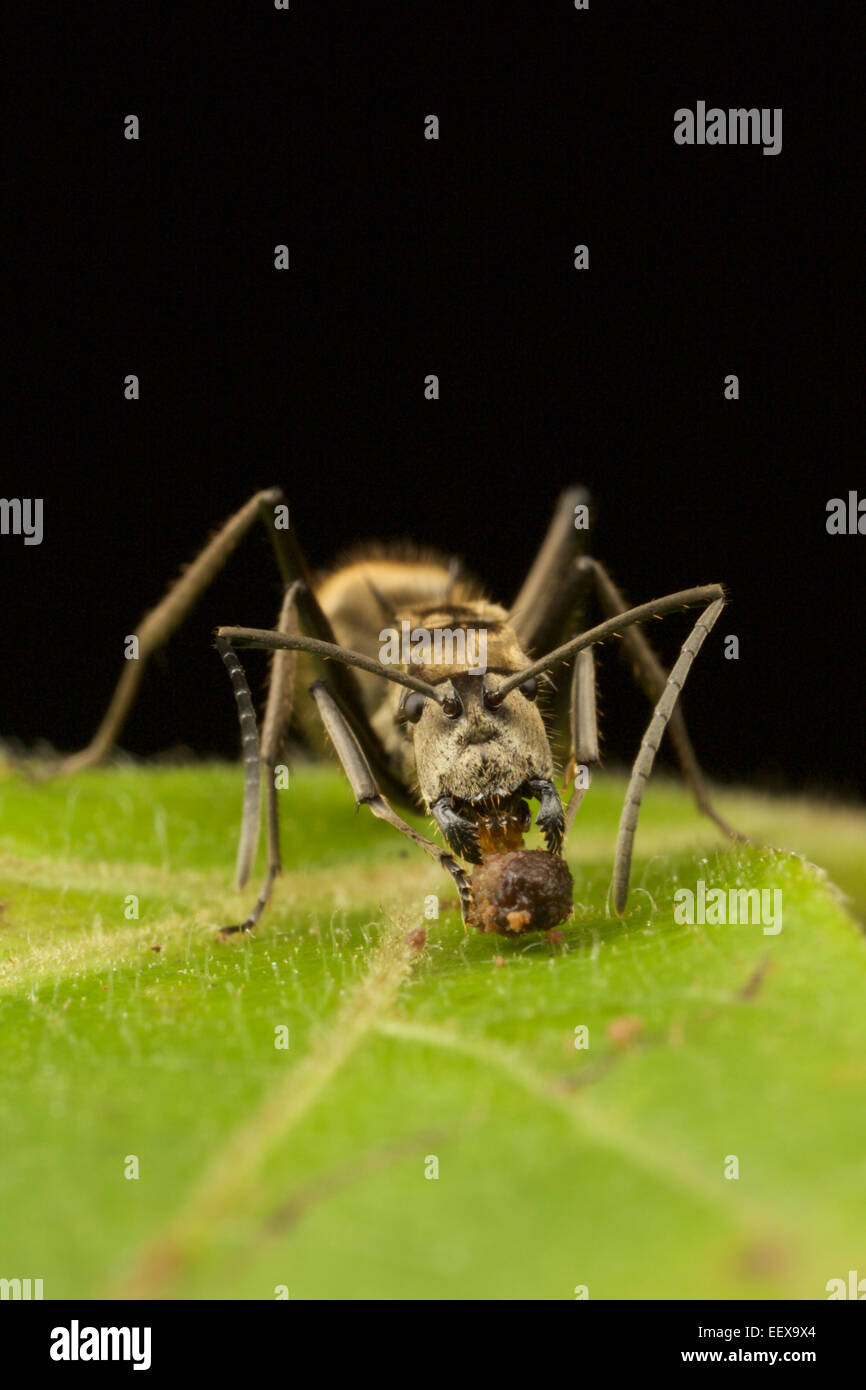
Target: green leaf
(311, 1167)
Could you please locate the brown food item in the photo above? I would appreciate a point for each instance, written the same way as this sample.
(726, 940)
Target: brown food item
(522, 890)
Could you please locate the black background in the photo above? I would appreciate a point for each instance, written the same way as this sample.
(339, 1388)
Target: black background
(455, 257)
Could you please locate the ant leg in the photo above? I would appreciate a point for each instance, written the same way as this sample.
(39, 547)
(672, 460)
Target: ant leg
(648, 749)
(163, 620)
(294, 569)
(252, 787)
(583, 719)
(260, 760)
(650, 675)
(547, 596)
(357, 769)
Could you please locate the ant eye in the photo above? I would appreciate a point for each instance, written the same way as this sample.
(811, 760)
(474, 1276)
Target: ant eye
(451, 707)
(413, 706)
(492, 699)
(529, 688)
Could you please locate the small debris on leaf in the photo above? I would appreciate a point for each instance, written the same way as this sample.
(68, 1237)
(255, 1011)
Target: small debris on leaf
(621, 1031)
